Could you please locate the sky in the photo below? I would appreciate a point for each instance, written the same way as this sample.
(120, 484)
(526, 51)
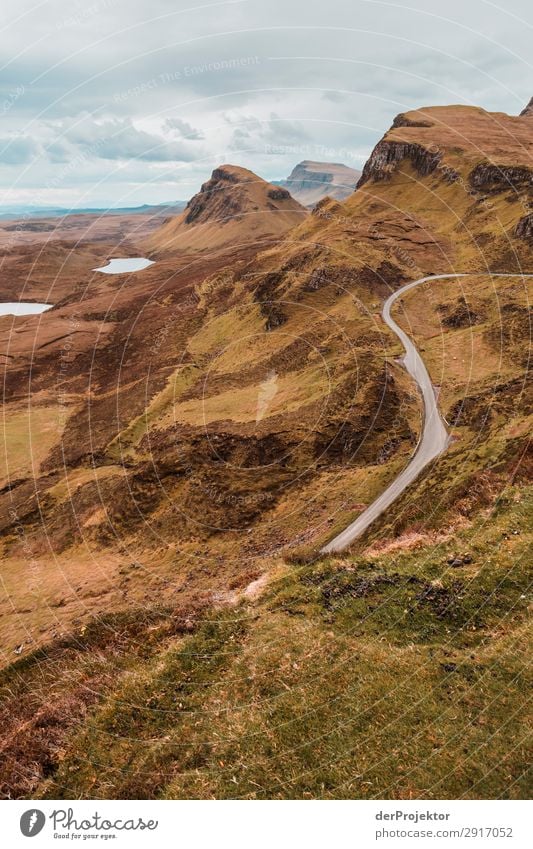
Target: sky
(125, 102)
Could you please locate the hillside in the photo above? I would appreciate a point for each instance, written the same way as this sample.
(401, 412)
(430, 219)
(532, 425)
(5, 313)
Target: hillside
(310, 182)
(235, 207)
(168, 628)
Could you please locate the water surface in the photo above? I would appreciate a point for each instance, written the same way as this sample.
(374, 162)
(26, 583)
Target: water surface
(125, 266)
(23, 308)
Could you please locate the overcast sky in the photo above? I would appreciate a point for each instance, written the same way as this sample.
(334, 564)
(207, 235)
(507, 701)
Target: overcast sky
(124, 102)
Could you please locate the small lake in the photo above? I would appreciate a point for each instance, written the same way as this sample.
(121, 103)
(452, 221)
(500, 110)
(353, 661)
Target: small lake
(125, 266)
(23, 308)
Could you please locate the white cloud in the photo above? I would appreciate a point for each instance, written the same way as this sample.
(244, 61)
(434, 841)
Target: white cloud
(154, 85)
(120, 139)
(18, 150)
(183, 129)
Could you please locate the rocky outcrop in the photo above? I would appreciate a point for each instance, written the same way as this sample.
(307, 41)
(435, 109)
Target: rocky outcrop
(234, 206)
(524, 228)
(278, 194)
(230, 192)
(387, 155)
(528, 111)
(498, 178)
(200, 207)
(336, 275)
(267, 294)
(402, 120)
(310, 182)
(460, 316)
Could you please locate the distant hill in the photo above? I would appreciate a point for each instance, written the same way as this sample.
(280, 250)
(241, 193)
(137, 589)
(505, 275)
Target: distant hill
(179, 444)
(234, 207)
(21, 211)
(311, 181)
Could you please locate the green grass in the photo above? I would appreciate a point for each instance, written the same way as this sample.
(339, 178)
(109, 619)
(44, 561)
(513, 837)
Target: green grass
(395, 675)
(27, 435)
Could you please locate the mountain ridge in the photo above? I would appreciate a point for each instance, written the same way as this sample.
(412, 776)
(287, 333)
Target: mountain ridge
(233, 206)
(310, 181)
(209, 424)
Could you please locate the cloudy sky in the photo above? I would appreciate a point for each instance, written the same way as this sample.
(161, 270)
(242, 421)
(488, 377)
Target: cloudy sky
(123, 102)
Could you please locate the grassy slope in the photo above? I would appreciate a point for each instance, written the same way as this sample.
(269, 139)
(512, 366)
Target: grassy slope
(390, 675)
(385, 672)
(27, 435)
(329, 438)
(399, 670)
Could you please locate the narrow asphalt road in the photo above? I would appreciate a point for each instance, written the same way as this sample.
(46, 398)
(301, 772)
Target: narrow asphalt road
(433, 440)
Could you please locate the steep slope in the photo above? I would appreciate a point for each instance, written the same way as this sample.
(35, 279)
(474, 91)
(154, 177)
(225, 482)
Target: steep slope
(467, 172)
(160, 560)
(235, 207)
(311, 181)
(528, 111)
(275, 364)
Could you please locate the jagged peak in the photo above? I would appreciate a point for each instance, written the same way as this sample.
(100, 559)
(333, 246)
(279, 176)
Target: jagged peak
(528, 111)
(234, 205)
(448, 138)
(234, 174)
(231, 191)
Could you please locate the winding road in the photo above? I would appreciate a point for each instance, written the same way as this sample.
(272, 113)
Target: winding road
(434, 438)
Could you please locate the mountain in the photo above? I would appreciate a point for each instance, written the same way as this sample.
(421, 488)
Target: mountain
(234, 207)
(32, 212)
(311, 181)
(528, 111)
(180, 444)
(466, 173)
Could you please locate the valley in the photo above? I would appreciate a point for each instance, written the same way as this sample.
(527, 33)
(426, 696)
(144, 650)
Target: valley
(195, 602)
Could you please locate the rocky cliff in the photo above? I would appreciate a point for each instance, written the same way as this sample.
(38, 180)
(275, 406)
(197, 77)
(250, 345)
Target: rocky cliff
(465, 174)
(233, 206)
(528, 111)
(172, 438)
(310, 181)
